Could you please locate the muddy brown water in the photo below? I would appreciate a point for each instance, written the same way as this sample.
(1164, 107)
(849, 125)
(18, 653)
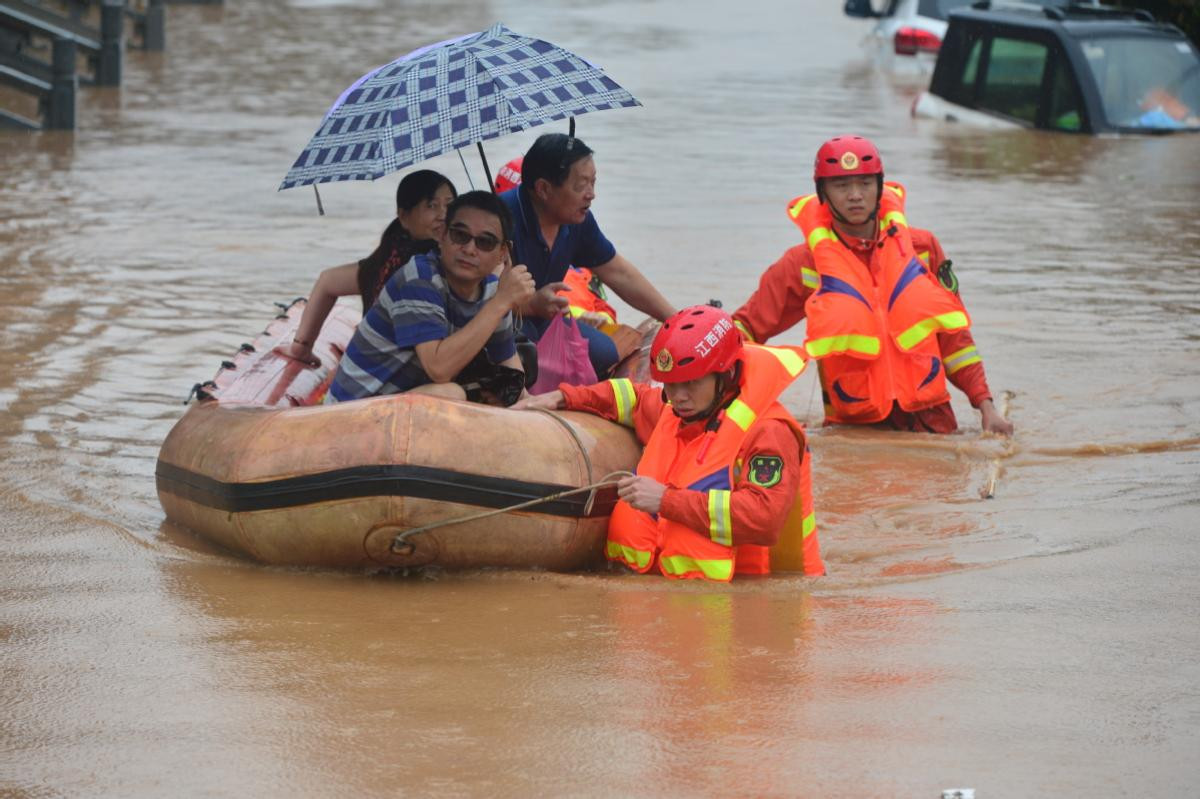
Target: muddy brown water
(1040, 643)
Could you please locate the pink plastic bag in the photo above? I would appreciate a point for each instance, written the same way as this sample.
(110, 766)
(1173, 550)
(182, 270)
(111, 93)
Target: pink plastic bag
(562, 356)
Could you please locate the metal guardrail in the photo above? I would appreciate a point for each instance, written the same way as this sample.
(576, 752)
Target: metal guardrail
(26, 26)
(56, 89)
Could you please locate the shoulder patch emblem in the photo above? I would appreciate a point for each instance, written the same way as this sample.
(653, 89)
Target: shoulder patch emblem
(766, 470)
(946, 276)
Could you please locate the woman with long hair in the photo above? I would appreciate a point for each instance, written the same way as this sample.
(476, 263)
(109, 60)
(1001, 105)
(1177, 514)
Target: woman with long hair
(421, 201)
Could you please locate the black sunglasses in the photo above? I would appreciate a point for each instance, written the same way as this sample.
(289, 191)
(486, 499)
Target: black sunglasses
(484, 243)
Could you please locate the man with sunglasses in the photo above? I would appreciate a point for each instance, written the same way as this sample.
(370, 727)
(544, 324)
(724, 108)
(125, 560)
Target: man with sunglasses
(445, 318)
(553, 229)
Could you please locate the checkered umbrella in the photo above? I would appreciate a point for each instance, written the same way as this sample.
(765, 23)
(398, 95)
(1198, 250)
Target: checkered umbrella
(450, 95)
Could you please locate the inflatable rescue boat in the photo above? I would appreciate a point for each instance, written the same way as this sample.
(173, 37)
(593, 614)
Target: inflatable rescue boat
(260, 467)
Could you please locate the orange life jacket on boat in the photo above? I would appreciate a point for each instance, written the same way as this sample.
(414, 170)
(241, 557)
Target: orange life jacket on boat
(585, 293)
(876, 342)
(709, 463)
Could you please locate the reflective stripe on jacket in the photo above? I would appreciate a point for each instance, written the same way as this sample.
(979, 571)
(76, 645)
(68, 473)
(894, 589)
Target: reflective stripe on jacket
(874, 328)
(708, 463)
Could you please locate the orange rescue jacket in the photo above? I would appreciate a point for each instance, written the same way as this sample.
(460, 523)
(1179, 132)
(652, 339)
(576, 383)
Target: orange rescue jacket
(585, 294)
(709, 463)
(875, 336)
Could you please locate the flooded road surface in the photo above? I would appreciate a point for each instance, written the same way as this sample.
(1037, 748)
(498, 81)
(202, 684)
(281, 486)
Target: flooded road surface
(1040, 643)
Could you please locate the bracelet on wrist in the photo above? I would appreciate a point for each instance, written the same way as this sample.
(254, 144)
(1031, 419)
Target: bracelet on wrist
(301, 342)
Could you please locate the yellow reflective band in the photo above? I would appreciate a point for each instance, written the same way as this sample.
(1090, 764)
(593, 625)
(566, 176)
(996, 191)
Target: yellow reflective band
(677, 565)
(921, 330)
(899, 192)
(924, 256)
(819, 235)
(626, 399)
(795, 208)
(790, 360)
(576, 311)
(745, 330)
(810, 277)
(720, 519)
(819, 348)
(893, 216)
(964, 357)
(740, 414)
(634, 557)
(808, 525)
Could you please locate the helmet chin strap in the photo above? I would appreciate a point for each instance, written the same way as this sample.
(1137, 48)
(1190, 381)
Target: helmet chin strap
(725, 394)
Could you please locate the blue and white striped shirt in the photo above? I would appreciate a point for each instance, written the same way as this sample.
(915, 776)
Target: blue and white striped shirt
(415, 306)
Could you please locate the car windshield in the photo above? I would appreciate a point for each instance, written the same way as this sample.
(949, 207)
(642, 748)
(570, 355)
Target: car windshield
(1148, 83)
(939, 9)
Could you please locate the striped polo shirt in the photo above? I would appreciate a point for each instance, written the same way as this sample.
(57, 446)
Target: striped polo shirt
(415, 306)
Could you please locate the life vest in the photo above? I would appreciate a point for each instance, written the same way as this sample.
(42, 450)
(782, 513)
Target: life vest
(876, 342)
(585, 293)
(708, 463)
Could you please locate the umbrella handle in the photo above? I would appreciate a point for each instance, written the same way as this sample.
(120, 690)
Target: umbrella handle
(466, 171)
(486, 171)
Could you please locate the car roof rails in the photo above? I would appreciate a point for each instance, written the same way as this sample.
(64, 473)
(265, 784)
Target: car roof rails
(1094, 9)
(1036, 6)
(1059, 11)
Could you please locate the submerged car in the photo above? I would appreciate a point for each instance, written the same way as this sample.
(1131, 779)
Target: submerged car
(1082, 69)
(914, 27)
(906, 27)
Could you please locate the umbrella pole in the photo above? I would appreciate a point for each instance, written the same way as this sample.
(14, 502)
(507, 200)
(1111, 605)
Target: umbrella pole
(320, 208)
(464, 163)
(486, 172)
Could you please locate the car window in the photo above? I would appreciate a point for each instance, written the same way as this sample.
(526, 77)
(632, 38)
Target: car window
(966, 85)
(939, 9)
(1012, 85)
(1146, 82)
(871, 8)
(1064, 101)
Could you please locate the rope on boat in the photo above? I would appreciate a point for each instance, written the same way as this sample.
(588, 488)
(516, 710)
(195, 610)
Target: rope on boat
(587, 460)
(400, 545)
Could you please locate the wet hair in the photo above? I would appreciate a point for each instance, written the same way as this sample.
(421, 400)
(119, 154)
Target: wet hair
(396, 245)
(483, 201)
(551, 157)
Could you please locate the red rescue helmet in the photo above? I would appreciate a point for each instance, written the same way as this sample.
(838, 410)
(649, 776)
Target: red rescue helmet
(847, 155)
(509, 176)
(695, 342)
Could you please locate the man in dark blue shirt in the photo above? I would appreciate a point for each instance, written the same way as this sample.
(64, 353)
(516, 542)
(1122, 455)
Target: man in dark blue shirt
(553, 229)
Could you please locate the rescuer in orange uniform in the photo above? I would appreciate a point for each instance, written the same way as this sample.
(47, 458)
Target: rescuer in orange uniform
(884, 317)
(724, 465)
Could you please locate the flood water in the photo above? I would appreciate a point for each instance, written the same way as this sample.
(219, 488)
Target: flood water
(1043, 642)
